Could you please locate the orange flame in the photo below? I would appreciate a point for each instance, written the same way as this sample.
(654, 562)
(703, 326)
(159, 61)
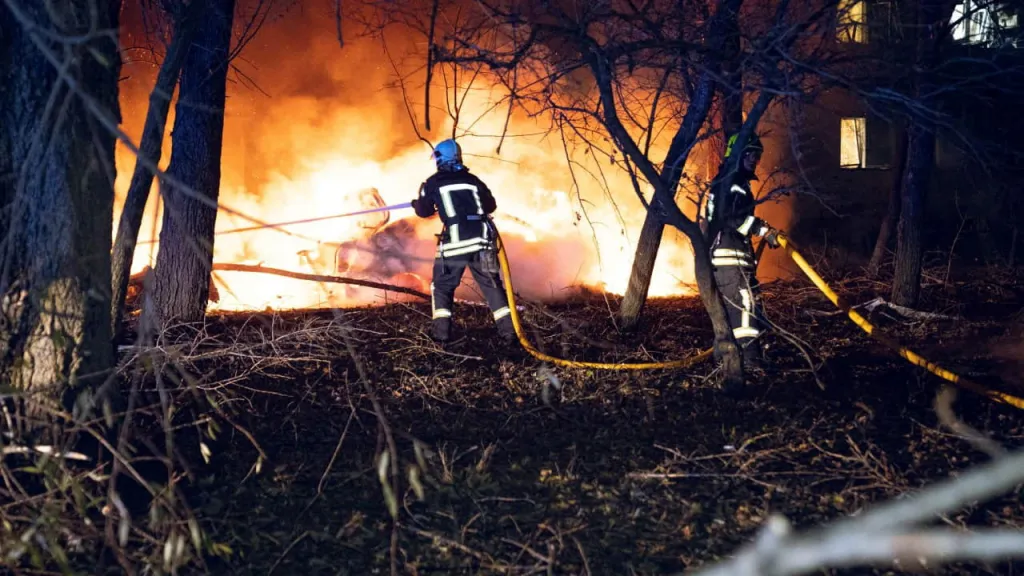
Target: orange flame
(330, 139)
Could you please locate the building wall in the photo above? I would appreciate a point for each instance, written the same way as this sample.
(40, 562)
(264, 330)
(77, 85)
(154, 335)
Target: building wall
(975, 198)
(839, 206)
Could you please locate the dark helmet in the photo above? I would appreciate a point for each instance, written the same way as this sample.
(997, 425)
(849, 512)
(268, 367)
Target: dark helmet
(753, 144)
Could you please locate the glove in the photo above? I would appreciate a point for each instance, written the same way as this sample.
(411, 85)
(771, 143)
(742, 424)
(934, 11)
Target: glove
(772, 238)
(422, 209)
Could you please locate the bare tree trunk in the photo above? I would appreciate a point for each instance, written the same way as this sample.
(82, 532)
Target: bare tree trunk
(906, 282)
(725, 344)
(892, 211)
(182, 272)
(640, 274)
(731, 92)
(648, 244)
(150, 146)
(57, 188)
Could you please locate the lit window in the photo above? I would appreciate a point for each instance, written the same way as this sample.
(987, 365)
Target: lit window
(971, 23)
(977, 22)
(853, 147)
(852, 21)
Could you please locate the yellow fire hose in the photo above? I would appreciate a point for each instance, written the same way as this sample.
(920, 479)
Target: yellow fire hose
(820, 283)
(503, 260)
(903, 351)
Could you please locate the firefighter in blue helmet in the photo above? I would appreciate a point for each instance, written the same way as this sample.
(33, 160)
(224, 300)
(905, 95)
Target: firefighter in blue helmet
(731, 224)
(467, 240)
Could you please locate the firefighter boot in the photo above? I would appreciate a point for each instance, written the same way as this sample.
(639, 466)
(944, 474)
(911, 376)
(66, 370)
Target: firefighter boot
(753, 358)
(507, 331)
(441, 330)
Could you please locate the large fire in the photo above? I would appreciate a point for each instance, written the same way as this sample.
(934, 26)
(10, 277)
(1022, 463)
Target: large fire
(329, 137)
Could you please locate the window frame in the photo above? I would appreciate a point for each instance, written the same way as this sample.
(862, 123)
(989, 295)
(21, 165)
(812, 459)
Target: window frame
(852, 22)
(859, 132)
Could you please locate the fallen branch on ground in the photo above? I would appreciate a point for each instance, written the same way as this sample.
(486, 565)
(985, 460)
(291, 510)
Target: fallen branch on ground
(872, 305)
(909, 313)
(225, 267)
(228, 267)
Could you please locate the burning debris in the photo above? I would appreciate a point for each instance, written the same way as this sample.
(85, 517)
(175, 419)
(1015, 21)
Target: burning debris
(392, 253)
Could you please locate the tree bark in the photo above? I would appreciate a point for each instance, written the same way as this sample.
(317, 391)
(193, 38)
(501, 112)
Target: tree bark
(150, 146)
(663, 208)
(906, 283)
(644, 259)
(182, 272)
(725, 344)
(731, 90)
(892, 211)
(649, 242)
(57, 189)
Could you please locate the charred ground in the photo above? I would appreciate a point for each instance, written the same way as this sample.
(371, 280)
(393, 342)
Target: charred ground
(549, 470)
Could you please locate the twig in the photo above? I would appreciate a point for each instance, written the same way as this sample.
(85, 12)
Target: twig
(47, 450)
(944, 409)
(337, 22)
(227, 267)
(430, 65)
(528, 550)
(287, 550)
(330, 464)
(583, 556)
(483, 558)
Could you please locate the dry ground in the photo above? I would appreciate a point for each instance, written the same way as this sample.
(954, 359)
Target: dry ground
(539, 469)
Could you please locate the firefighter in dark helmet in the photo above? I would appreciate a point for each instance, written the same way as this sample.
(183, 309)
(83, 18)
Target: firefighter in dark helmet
(731, 224)
(467, 240)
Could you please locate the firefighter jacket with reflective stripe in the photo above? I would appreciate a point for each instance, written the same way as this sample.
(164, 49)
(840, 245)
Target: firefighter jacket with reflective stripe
(731, 220)
(463, 202)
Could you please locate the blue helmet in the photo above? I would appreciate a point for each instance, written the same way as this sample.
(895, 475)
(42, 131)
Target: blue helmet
(448, 155)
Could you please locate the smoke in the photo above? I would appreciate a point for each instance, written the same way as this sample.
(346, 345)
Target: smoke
(311, 127)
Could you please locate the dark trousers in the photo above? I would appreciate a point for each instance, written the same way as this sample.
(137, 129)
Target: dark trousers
(741, 293)
(448, 272)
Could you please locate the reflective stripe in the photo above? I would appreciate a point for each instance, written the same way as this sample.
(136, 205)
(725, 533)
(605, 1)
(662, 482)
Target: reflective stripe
(748, 223)
(445, 246)
(747, 302)
(726, 252)
(730, 262)
(479, 205)
(466, 250)
(737, 188)
(437, 312)
(454, 233)
(446, 196)
(745, 332)
(433, 303)
(501, 313)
